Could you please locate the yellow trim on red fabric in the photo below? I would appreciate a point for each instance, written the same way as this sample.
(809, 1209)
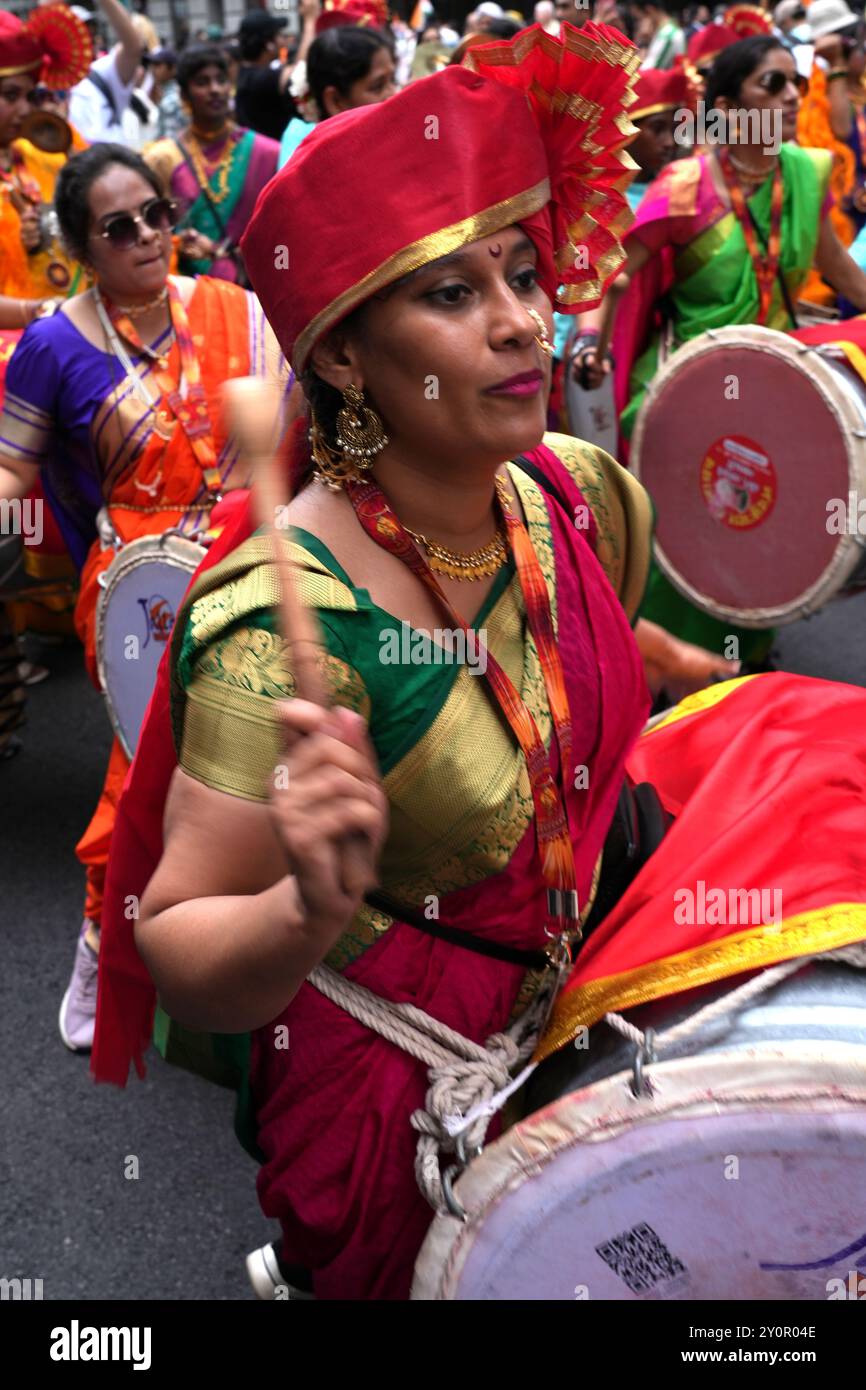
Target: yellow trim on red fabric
(808, 933)
(701, 700)
(856, 356)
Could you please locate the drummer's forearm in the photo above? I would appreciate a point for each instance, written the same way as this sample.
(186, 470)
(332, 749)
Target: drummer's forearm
(838, 268)
(17, 313)
(228, 964)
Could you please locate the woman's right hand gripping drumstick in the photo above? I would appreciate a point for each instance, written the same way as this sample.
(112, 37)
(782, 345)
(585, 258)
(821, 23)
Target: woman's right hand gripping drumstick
(329, 812)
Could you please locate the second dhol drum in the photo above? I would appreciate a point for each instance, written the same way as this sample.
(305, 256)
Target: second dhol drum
(752, 445)
(141, 592)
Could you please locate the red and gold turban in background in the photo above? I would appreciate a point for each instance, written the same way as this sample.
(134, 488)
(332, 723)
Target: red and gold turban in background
(361, 13)
(530, 131)
(53, 46)
(747, 20)
(706, 45)
(659, 89)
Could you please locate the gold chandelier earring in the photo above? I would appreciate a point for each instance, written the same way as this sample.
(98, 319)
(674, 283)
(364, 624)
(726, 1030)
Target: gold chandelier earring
(360, 436)
(541, 336)
(360, 432)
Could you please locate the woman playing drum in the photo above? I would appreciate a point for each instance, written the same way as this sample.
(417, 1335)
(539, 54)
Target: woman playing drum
(92, 404)
(481, 787)
(726, 237)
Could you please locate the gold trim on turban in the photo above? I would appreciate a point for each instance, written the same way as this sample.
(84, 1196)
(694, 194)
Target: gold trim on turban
(21, 68)
(422, 252)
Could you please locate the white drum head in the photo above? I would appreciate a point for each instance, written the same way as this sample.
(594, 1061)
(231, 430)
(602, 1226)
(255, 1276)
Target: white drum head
(135, 615)
(749, 442)
(742, 1179)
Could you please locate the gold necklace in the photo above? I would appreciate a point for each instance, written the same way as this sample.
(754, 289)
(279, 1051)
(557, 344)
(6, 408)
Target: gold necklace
(135, 311)
(751, 174)
(221, 169)
(463, 564)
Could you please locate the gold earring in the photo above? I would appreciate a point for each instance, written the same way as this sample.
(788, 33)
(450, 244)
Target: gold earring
(360, 432)
(360, 438)
(541, 336)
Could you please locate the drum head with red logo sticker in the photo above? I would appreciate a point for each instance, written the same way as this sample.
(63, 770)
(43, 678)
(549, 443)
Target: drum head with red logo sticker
(750, 445)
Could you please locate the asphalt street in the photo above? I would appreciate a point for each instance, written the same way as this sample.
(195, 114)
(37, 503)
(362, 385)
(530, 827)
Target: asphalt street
(68, 1215)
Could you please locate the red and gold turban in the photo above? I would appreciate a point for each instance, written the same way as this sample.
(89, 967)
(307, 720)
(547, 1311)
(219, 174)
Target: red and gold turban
(361, 13)
(707, 44)
(747, 20)
(530, 131)
(657, 90)
(53, 46)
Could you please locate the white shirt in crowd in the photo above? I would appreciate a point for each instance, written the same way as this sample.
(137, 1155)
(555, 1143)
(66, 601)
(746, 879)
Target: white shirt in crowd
(90, 110)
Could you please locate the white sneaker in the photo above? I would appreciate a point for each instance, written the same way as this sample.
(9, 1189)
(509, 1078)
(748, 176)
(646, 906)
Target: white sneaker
(268, 1280)
(78, 1011)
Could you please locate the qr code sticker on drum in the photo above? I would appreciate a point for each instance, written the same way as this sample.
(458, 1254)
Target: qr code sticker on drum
(640, 1258)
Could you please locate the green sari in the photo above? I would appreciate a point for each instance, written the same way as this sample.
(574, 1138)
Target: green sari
(702, 246)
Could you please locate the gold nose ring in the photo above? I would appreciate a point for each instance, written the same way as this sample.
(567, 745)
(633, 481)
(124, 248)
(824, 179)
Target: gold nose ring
(541, 336)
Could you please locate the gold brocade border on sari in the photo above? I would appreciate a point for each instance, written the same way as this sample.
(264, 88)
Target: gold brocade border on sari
(243, 581)
(231, 678)
(421, 252)
(468, 734)
(622, 512)
(808, 933)
(685, 181)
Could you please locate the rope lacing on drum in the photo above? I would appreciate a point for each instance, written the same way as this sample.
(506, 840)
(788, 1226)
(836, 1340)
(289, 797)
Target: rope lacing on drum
(468, 1082)
(649, 1044)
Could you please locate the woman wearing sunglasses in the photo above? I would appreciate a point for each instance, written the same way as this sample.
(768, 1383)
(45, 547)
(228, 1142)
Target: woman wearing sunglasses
(33, 265)
(92, 405)
(727, 236)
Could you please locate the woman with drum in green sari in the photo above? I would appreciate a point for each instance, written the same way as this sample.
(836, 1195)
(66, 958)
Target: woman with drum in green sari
(724, 237)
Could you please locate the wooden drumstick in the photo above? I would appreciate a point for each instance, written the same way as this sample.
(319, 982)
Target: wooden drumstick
(253, 405)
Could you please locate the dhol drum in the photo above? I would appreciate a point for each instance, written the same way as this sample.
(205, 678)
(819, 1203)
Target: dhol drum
(752, 445)
(141, 591)
(740, 1177)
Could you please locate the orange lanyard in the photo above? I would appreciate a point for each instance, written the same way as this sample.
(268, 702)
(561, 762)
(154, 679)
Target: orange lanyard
(765, 265)
(191, 410)
(556, 851)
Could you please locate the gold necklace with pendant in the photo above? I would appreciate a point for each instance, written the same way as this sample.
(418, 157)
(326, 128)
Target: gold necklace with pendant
(466, 564)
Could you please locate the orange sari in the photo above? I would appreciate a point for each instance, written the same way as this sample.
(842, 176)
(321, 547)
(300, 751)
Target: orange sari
(92, 430)
(160, 490)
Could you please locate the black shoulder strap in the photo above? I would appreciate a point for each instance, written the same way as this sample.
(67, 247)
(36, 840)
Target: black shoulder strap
(539, 476)
(102, 86)
(515, 955)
